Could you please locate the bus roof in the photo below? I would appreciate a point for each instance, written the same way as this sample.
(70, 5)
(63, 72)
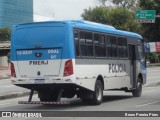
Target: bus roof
(103, 28)
(88, 25)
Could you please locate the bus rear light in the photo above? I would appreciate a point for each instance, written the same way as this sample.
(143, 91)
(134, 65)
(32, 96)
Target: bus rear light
(13, 73)
(68, 68)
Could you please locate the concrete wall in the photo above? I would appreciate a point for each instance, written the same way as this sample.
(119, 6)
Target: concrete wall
(3, 61)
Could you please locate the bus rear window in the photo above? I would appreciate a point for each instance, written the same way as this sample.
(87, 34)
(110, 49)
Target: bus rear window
(39, 36)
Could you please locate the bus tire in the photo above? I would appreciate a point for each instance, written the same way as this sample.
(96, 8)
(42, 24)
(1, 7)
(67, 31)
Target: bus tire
(138, 91)
(98, 93)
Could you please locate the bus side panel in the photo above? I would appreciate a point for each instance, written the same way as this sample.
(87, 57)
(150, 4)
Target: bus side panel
(115, 73)
(140, 69)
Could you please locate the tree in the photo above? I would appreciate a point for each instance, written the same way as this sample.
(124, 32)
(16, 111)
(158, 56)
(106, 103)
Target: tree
(153, 57)
(5, 34)
(97, 14)
(123, 19)
(127, 4)
(151, 31)
(120, 18)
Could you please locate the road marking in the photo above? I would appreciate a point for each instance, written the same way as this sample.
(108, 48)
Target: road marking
(152, 70)
(11, 100)
(9, 86)
(5, 104)
(148, 103)
(149, 91)
(152, 77)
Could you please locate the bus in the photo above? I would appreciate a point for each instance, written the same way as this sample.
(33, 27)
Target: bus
(76, 58)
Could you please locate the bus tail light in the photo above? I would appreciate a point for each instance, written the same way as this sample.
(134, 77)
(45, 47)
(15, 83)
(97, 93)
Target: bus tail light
(68, 68)
(13, 73)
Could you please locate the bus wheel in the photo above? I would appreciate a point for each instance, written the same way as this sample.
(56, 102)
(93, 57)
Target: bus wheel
(98, 93)
(138, 91)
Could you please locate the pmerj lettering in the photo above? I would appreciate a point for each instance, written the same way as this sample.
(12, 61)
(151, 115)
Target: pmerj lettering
(117, 68)
(42, 62)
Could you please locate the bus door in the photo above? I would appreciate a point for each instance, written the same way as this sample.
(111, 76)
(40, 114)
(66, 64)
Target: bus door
(132, 58)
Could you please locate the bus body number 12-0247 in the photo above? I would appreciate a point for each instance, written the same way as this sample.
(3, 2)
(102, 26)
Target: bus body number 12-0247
(25, 52)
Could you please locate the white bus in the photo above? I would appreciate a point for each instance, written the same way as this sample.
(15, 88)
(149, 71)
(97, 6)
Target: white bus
(61, 59)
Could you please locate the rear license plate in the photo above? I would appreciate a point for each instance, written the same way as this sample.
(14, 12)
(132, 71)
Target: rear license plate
(39, 81)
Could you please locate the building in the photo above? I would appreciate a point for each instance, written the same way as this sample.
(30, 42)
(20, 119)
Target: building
(15, 12)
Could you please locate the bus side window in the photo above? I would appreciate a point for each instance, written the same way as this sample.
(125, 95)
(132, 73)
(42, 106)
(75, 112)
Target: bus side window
(122, 47)
(99, 45)
(108, 46)
(86, 44)
(125, 48)
(113, 41)
(76, 42)
(140, 52)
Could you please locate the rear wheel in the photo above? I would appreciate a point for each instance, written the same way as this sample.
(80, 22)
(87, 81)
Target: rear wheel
(138, 91)
(98, 93)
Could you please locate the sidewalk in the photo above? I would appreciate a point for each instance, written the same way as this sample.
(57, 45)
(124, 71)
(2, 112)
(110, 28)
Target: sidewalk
(4, 72)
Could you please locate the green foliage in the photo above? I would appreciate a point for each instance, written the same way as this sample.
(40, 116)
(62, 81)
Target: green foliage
(153, 57)
(97, 14)
(127, 4)
(151, 31)
(123, 19)
(5, 34)
(118, 17)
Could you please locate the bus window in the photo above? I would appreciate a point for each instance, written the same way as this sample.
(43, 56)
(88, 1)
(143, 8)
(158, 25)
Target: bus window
(99, 45)
(86, 44)
(140, 53)
(111, 44)
(122, 47)
(125, 48)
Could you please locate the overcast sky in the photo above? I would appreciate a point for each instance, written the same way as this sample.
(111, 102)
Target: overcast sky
(62, 9)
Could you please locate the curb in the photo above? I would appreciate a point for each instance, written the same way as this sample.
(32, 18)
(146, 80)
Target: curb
(3, 78)
(15, 95)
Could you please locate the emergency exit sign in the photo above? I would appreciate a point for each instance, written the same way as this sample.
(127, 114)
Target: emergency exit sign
(146, 16)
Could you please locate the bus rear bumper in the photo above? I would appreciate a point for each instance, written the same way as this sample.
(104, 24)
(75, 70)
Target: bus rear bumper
(45, 83)
(55, 80)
